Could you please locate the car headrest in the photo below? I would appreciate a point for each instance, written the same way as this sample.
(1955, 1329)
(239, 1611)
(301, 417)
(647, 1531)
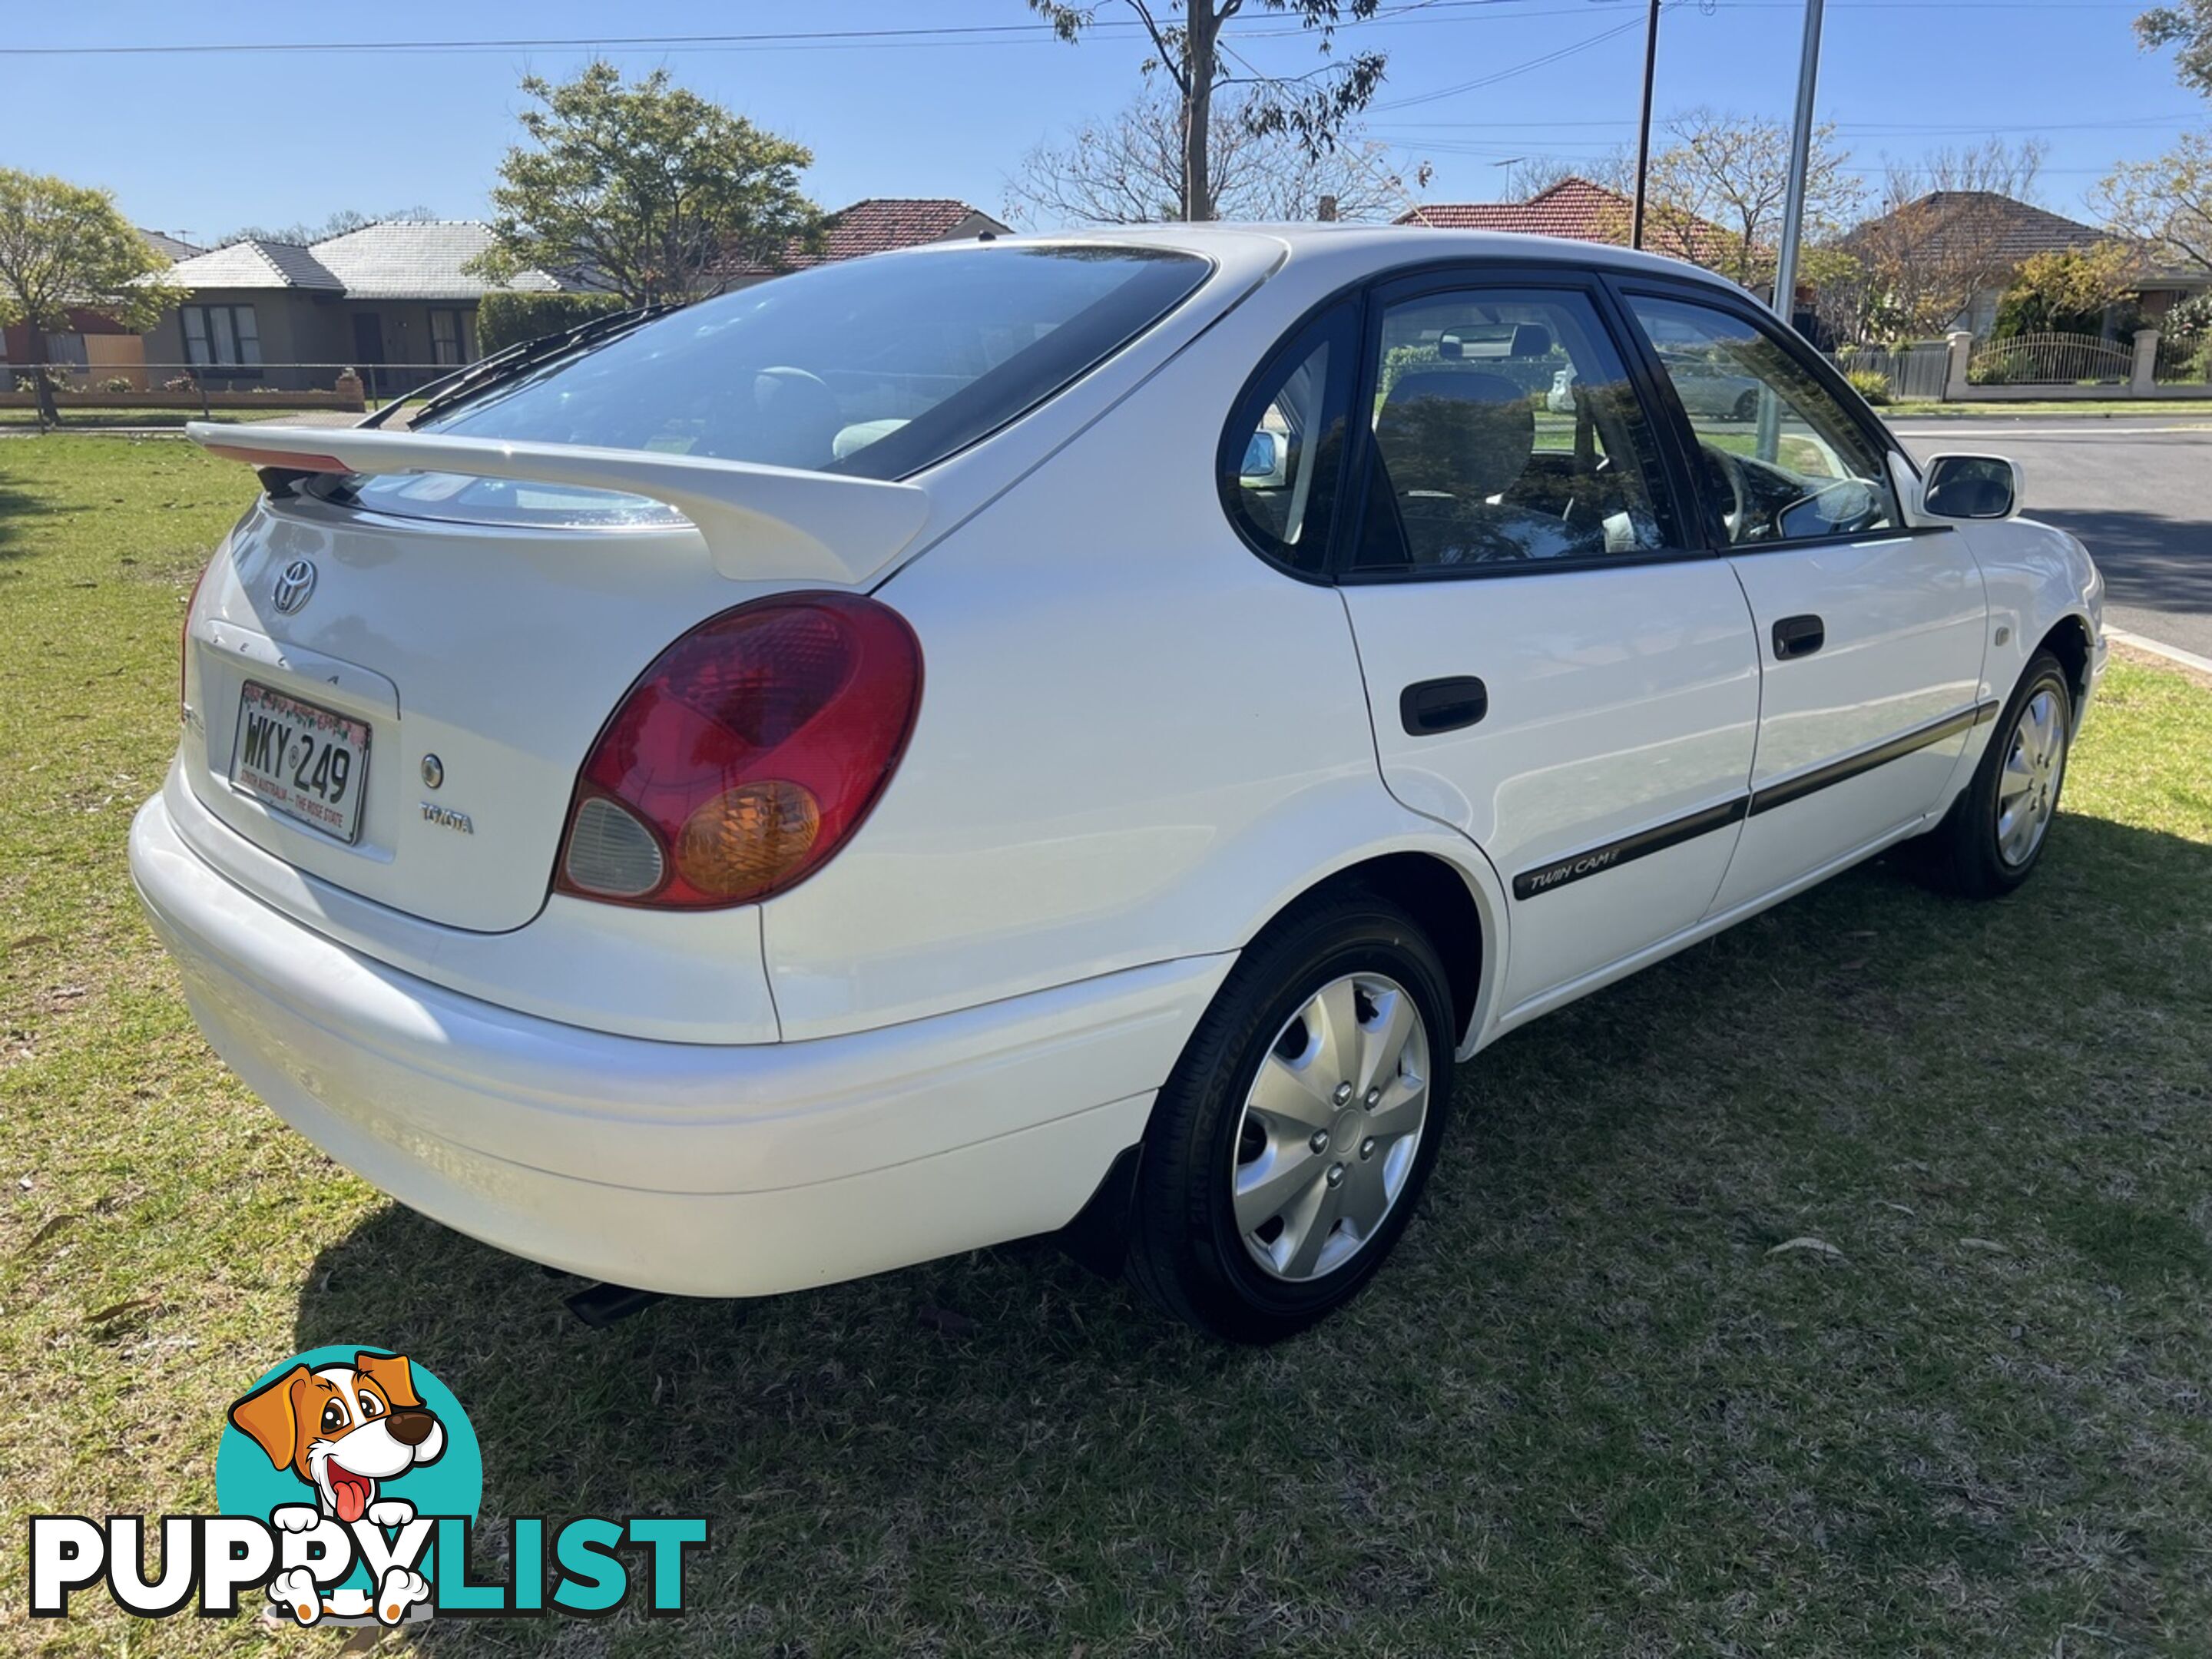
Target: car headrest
(797, 417)
(1447, 429)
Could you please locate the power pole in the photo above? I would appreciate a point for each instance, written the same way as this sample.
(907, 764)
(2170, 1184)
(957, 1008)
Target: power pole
(1784, 299)
(1643, 126)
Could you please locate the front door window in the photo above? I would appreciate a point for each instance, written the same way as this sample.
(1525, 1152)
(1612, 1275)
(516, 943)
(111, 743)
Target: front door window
(1783, 457)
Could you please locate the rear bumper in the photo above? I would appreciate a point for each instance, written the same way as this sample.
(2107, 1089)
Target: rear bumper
(690, 1167)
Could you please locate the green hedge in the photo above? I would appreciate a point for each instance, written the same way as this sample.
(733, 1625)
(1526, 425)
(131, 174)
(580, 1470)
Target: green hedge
(505, 319)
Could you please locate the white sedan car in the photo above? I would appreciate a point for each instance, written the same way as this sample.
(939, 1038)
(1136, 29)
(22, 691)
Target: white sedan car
(1075, 735)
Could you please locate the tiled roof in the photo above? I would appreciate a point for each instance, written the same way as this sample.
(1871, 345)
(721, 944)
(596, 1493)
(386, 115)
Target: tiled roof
(253, 264)
(2006, 230)
(417, 259)
(391, 259)
(877, 225)
(1574, 207)
(172, 248)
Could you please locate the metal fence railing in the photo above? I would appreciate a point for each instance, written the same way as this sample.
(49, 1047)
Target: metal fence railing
(1917, 370)
(2183, 361)
(182, 385)
(2051, 360)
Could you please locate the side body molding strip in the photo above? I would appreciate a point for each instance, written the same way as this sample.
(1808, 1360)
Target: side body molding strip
(1594, 861)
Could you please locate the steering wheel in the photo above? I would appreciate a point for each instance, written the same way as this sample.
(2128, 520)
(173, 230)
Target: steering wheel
(1725, 467)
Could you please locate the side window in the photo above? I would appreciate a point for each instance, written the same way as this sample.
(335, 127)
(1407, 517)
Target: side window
(1506, 431)
(1784, 460)
(1283, 453)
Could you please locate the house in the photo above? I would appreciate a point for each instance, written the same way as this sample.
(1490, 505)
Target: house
(877, 225)
(1985, 237)
(1583, 212)
(392, 300)
(94, 347)
(172, 248)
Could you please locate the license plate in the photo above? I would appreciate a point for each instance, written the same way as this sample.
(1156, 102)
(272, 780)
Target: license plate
(304, 761)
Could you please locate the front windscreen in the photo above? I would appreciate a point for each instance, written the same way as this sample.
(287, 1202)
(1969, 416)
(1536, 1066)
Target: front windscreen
(874, 368)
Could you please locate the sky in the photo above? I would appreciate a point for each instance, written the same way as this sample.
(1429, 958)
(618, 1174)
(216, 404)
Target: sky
(198, 142)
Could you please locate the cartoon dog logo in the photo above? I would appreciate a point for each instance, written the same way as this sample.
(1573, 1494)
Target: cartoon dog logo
(344, 1430)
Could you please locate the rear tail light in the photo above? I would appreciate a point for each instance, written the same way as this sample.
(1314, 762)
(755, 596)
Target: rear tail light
(746, 756)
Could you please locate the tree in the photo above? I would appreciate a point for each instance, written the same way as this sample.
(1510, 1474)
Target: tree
(1530, 176)
(300, 234)
(644, 185)
(2166, 203)
(1129, 170)
(1936, 244)
(1311, 108)
(1732, 172)
(2189, 27)
(2068, 291)
(63, 247)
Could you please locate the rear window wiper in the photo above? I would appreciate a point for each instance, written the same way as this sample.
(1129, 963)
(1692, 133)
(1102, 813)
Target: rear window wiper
(443, 396)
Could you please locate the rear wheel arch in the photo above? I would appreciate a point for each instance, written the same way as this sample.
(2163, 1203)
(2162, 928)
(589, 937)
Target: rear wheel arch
(1438, 894)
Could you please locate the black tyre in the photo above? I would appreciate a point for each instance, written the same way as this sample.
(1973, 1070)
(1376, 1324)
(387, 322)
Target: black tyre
(1746, 406)
(1994, 836)
(1291, 1145)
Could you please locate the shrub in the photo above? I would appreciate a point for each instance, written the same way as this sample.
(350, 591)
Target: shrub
(506, 319)
(1870, 383)
(2190, 321)
(118, 383)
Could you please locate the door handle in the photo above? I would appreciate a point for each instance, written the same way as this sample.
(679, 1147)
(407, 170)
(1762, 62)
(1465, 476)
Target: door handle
(1798, 637)
(1428, 707)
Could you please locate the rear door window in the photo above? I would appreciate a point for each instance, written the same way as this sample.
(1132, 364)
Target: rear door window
(1506, 433)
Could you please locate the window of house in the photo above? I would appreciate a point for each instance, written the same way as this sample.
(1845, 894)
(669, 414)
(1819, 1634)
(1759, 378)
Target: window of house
(222, 336)
(449, 338)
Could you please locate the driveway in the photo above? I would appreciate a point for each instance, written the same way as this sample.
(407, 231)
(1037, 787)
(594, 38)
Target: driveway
(2137, 488)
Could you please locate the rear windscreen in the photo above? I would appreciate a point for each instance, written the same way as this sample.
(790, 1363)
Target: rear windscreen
(875, 368)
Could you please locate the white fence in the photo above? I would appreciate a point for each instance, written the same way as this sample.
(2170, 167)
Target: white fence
(2052, 359)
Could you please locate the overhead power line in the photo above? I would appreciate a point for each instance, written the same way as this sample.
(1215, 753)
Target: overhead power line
(1430, 11)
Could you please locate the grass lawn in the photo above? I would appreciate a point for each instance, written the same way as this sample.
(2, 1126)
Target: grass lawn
(1592, 1408)
(83, 419)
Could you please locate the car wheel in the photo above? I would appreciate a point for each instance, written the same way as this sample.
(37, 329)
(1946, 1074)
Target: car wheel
(1746, 406)
(1287, 1152)
(1993, 837)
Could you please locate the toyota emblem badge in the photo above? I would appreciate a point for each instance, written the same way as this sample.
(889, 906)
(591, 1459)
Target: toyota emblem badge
(294, 586)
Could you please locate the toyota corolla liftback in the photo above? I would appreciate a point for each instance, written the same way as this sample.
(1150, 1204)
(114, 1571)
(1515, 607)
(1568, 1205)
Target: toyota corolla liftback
(1070, 735)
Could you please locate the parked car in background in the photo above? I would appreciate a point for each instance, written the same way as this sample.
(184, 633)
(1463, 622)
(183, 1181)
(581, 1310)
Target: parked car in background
(1708, 388)
(767, 793)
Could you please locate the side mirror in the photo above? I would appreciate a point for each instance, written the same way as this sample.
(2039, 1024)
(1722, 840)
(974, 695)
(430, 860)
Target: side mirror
(1971, 487)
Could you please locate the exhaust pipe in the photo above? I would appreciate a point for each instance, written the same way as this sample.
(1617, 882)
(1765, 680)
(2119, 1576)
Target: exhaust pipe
(602, 1305)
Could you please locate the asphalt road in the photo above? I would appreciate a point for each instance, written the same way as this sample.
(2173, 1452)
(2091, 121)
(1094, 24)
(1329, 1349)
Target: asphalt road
(2137, 490)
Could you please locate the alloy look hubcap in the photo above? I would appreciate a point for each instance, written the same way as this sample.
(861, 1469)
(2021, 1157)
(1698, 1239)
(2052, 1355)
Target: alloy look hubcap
(2027, 788)
(1331, 1126)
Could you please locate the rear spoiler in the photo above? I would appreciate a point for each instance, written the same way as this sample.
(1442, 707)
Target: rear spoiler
(758, 521)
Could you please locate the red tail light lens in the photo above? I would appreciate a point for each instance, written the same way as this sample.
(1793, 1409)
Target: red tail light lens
(746, 755)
